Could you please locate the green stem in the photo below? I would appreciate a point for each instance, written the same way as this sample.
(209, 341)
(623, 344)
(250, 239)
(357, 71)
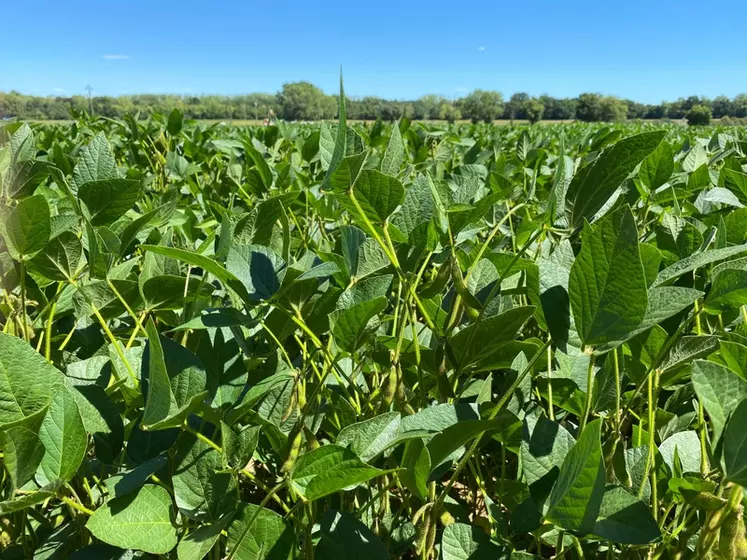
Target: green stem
(24, 324)
(589, 393)
(493, 413)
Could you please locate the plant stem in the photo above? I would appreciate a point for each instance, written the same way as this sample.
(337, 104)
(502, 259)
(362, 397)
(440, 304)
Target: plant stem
(589, 393)
(24, 324)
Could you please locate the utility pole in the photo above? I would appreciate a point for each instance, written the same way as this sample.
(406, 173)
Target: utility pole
(89, 89)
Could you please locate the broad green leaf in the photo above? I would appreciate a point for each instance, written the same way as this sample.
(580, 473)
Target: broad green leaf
(607, 285)
(127, 482)
(176, 382)
(591, 188)
(735, 446)
(60, 259)
(27, 381)
(200, 492)
(577, 495)
(657, 167)
(64, 438)
(26, 501)
(199, 542)
(481, 339)
(370, 437)
(329, 469)
(101, 419)
(729, 289)
(26, 227)
(624, 519)
(394, 155)
(663, 303)
(343, 537)
(688, 264)
(258, 268)
(206, 263)
(544, 446)
(468, 542)
(720, 390)
(22, 448)
(351, 324)
(259, 534)
(416, 211)
(685, 446)
(95, 163)
(371, 198)
(109, 199)
(143, 521)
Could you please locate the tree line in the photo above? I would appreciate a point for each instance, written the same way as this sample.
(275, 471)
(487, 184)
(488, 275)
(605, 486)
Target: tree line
(304, 101)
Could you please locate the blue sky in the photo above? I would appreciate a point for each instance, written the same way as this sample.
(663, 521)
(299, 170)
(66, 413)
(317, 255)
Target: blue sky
(644, 50)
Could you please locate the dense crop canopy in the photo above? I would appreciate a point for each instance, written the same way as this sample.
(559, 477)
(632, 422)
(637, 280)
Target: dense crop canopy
(372, 341)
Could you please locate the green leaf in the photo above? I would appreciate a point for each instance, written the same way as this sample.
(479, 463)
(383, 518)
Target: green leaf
(259, 534)
(351, 324)
(22, 448)
(684, 445)
(127, 482)
(96, 162)
(64, 438)
(394, 155)
(199, 542)
(27, 381)
(371, 196)
(481, 339)
(729, 289)
(720, 390)
(26, 227)
(663, 303)
(544, 446)
(343, 537)
(372, 436)
(176, 382)
(205, 263)
(592, 187)
(468, 542)
(735, 446)
(607, 286)
(577, 495)
(329, 469)
(624, 519)
(688, 264)
(143, 521)
(26, 501)
(109, 199)
(60, 259)
(258, 268)
(338, 151)
(658, 166)
(199, 491)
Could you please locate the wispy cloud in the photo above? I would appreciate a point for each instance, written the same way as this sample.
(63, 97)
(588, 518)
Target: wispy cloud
(481, 48)
(59, 90)
(115, 57)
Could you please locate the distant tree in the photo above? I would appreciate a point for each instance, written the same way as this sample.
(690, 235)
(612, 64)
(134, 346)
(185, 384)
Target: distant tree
(304, 101)
(558, 109)
(699, 115)
(534, 109)
(588, 107)
(722, 106)
(612, 109)
(515, 108)
(448, 112)
(482, 105)
(740, 106)
(428, 107)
